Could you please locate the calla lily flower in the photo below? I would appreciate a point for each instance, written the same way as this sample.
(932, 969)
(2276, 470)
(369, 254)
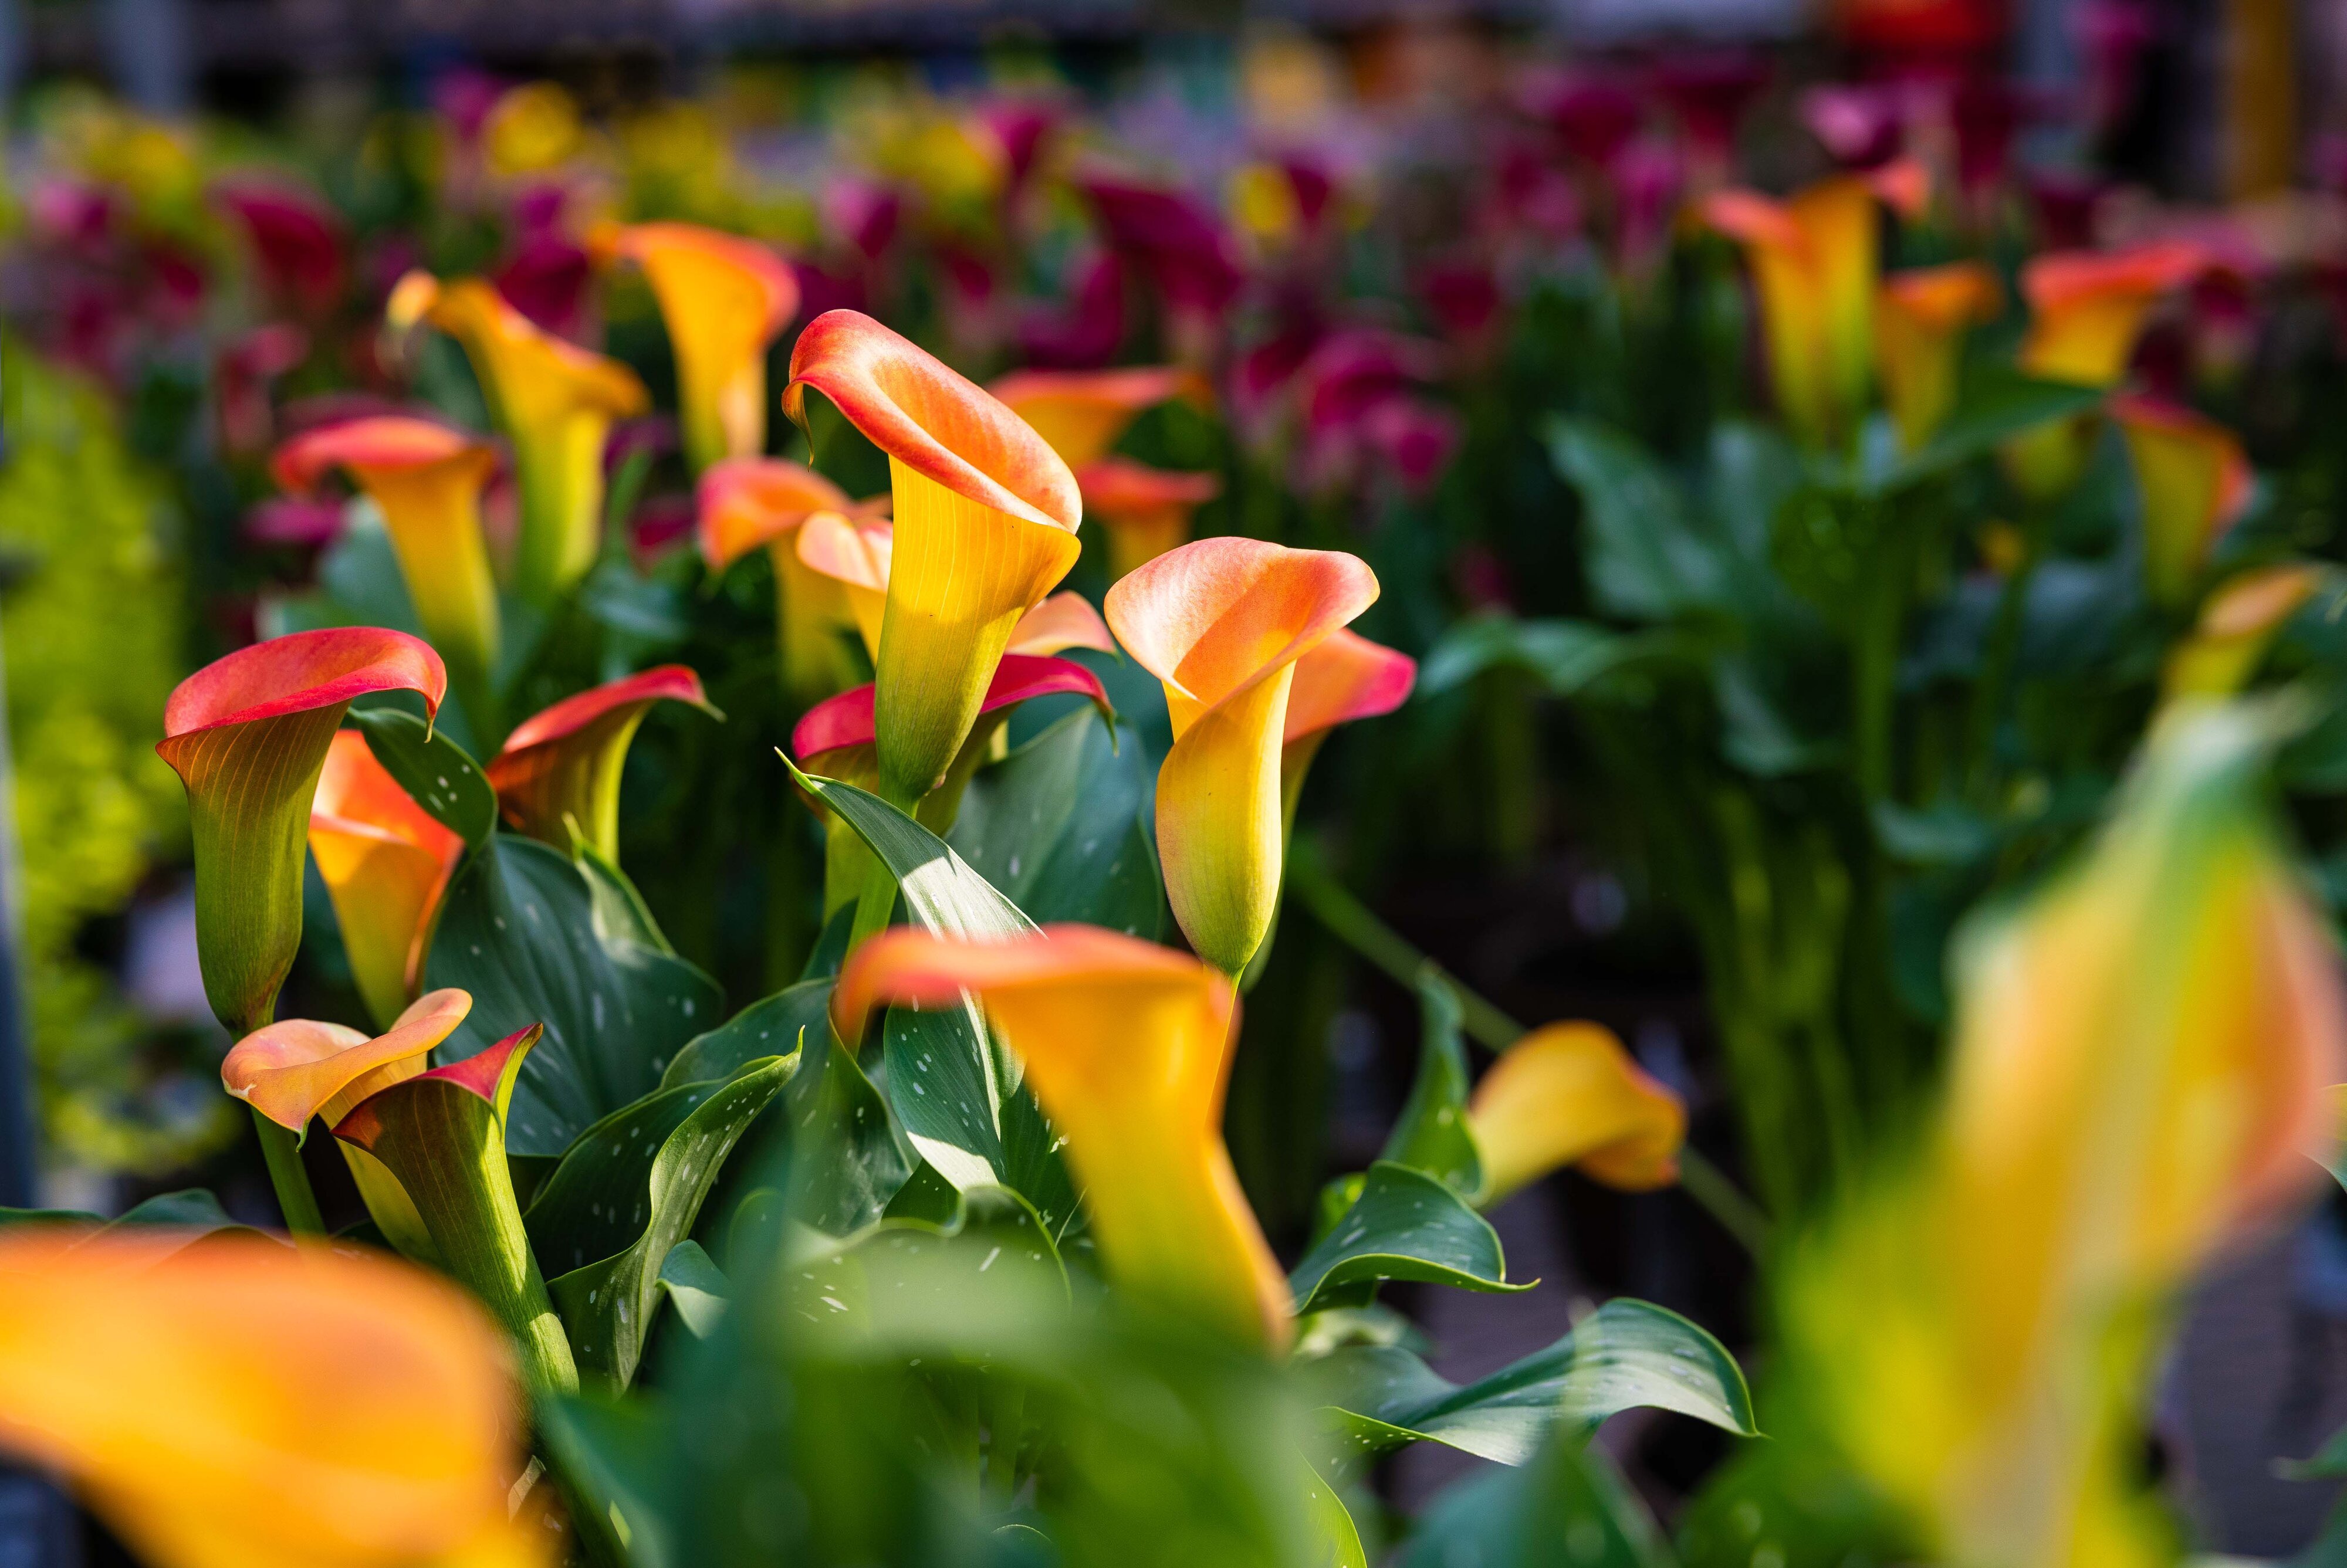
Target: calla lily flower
(557, 778)
(1813, 259)
(1222, 623)
(1345, 678)
(1919, 326)
(2237, 625)
(1083, 413)
(986, 526)
(1147, 511)
(2086, 308)
(1066, 619)
(248, 735)
(249, 1404)
(385, 861)
(2138, 1073)
(427, 479)
(2195, 482)
(1568, 1094)
(853, 553)
(555, 402)
(748, 502)
(724, 299)
(1128, 1047)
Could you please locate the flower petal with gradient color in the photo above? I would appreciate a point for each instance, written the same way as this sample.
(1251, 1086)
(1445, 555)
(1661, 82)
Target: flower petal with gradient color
(1127, 1045)
(1920, 320)
(1145, 511)
(1064, 621)
(2237, 625)
(1083, 413)
(243, 1404)
(296, 1069)
(2088, 307)
(854, 554)
(385, 861)
(847, 720)
(745, 502)
(1221, 624)
(724, 299)
(559, 774)
(1568, 1094)
(2195, 482)
(1345, 678)
(248, 735)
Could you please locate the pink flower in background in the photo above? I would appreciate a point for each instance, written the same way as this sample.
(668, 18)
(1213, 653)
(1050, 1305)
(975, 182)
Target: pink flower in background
(1172, 239)
(548, 277)
(1709, 94)
(1648, 177)
(1986, 113)
(1085, 335)
(1314, 183)
(293, 522)
(1860, 127)
(463, 96)
(823, 288)
(866, 215)
(1482, 578)
(1355, 392)
(1354, 369)
(1530, 194)
(2064, 202)
(2113, 36)
(1593, 117)
(299, 244)
(70, 213)
(1019, 128)
(1266, 370)
(240, 378)
(1413, 439)
(659, 524)
(1462, 296)
(653, 434)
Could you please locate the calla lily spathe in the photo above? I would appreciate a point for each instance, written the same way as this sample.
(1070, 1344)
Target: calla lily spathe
(1814, 264)
(1066, 619)
(426, 480)
(724, 299)
(386, 862)
(243, 1404)
(2138, 1073)
(748, 502)
(553, 400)
(248, 735)
(856, 553)
(2195, 482)
(1127, 1046)
(1144, 511)
(1920, 320)
(2237, 625)
(1221, 624)
(1083, 413)
(1347, 677)
(557, 778)
(986, 526)
(1568, 1094)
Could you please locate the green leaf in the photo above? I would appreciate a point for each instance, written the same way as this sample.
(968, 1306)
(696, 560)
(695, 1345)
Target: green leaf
(614, 1458)
(1565, 656)
(1404, 1225)
(1626, 1354)
(1649, 556)
(628, 1191)
(436, 772)
(1061, 825)
(778, 1025)
(945, 1086)
(854, 1160)
(192, 1209)
(1434, 1135)
(1995, 405)
(1568, 1505)
(520, 930)
(939, 888)
(1332, 1522)
(697, 1286)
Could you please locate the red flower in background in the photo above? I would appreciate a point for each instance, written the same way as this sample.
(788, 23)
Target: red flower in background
(300, 246)
(240, 378)
(1708, 94)
(1593, 117)
(1171, 237)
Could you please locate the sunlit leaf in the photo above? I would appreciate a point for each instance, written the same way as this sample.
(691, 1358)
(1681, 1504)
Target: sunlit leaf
(1432, 1135)
(1405, 1224)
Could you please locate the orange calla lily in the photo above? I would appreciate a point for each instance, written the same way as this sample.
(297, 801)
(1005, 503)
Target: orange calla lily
(1066, 619)
(1222, 623)
(1347, 677)
(748, 502)
(986, 526)
(2139, 1072)
(555, 402)
(248, 735)
(557, 778)
(385, 861)
(1128, 1047)
(854, 553)
(1147, 511)
(1568, 1094)
(724, 299)
(1083, 413)
(2086, 308)
(244, 1404)
(1920, 318)
(2237, 625)
(2195, 482)
(1814, 264)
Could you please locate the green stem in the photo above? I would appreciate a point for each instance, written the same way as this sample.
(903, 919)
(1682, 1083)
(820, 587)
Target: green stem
(282, 1150)
(1353, 923)
(876, 904)
(2004, 650)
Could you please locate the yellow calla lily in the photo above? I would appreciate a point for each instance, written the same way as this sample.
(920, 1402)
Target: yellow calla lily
(1222, 623)
(745, 503)
(2139, 1072)
(244, 1404)
(724, 299)
(986, 526)
(1128, 1047)
(553, 400)
(1083, 413)
(427, 479)
(1919, 325)
(385, 861)
(1568, 1094)
(2195, 482)
(2237, 626)
(854, 553)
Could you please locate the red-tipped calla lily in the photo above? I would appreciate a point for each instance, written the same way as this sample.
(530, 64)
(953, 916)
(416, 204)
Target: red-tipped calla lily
(2237, 625)
(1128, 1047)
(1145, 511)
(986, 526)
(1066, 619)
(250, 1404)
(555, 402)
(385, 860)
(1083, 413)
(557, 778)
(441, 1136)
(427, 479)
(1919, 320)
(247, 734)
(2195, 482)
(853, 553)
(1568, 1094)
(1222, 623)
(1347, 677)
(724, 299)
(1813, 259)
(748, 502)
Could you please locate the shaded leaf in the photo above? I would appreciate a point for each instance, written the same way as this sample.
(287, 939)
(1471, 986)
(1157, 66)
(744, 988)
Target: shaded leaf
(1648, 555)
(1062, 826)
(1404, 1225)
(1568, 1505)
(1565, 656)
(436, 772)
(1432, 1135)
(772, 1026)
(697, 1286)
(1993, 405)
